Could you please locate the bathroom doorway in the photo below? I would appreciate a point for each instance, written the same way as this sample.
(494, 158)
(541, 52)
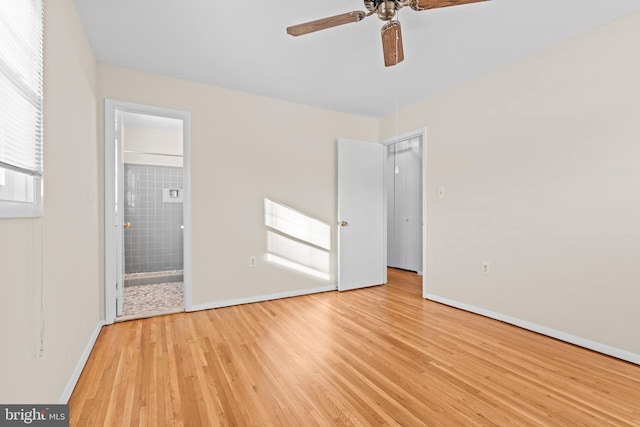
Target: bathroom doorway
(153, 195)
(147, 212)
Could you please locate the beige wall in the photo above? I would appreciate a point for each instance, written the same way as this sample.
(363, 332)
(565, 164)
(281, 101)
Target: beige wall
(540, 163)
(63, 245)
(245, 148)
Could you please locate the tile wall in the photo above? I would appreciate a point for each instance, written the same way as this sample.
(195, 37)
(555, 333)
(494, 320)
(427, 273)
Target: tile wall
(154, 241)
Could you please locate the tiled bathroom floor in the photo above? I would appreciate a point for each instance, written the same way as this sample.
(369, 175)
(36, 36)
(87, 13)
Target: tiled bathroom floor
(152, 300)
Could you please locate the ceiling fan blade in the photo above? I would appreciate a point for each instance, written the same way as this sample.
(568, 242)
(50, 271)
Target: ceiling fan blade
(321, 24)
(434, 4)
(392, 43)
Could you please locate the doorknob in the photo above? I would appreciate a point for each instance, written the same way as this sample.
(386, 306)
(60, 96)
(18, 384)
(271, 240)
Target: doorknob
(344, 223)
(127, 225)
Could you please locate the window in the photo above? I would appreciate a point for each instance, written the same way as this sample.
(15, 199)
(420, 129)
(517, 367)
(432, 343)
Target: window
(21, 104)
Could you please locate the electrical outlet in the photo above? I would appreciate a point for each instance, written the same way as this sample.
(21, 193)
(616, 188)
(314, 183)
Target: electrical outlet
(486, 268)
(252, 261)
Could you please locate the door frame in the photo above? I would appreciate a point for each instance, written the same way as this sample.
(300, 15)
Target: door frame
(110, 227)
(422, 133)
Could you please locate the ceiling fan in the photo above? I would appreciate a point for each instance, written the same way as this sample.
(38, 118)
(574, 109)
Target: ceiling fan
(386, 10)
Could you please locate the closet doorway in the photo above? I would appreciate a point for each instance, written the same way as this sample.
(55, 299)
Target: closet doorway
(404, 195)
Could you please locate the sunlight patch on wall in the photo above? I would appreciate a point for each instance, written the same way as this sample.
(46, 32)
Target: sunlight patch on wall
(295, 224)
(298, 256)
(297, 241)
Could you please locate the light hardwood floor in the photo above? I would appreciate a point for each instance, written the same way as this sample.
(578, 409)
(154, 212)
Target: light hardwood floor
(376, 356)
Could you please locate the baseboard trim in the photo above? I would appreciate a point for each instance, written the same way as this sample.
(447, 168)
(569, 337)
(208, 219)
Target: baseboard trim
(553, 333)
(71, 384)
(261, 298)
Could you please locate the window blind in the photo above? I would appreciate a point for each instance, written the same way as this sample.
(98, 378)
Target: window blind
(21, 33)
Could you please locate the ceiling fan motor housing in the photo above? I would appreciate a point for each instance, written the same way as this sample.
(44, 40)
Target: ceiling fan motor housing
(385, 9)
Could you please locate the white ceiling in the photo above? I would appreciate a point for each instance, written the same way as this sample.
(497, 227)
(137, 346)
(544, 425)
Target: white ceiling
(243, 45)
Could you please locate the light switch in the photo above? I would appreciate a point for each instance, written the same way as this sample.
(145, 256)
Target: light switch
(441, 193)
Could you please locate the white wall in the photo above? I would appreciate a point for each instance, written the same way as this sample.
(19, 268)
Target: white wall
(246, 148)
(158, 141)
(61, 247)
(540, 162)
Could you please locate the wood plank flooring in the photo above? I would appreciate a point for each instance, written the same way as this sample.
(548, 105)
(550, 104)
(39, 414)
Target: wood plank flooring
(376, 356)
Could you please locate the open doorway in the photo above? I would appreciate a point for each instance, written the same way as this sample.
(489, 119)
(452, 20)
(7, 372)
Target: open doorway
(405, 195)
(364, 176)
(147, 211)
(152, 204)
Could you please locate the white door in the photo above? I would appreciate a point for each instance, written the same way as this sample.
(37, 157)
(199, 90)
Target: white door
(119, 214)
(361, 229)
